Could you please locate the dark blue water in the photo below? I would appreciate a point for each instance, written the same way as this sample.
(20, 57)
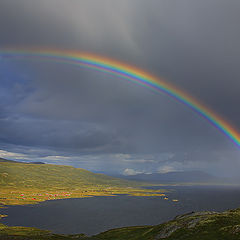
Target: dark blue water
(97, 214)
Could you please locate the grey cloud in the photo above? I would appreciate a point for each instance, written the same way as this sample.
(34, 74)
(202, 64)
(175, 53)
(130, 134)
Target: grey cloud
(62, 135)
(193, 44)
(87, 25)
(143, 119)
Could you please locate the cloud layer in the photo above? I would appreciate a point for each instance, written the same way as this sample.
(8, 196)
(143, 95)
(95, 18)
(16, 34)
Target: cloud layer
(68, 112)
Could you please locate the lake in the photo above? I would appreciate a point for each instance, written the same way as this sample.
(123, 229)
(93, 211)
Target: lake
(97, 214)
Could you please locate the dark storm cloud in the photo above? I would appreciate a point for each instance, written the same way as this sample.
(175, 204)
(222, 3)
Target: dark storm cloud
(193, 44)
(86, 25)
(132, 118)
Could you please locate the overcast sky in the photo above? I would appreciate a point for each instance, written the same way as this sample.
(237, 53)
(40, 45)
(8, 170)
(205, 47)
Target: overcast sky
(69, 115)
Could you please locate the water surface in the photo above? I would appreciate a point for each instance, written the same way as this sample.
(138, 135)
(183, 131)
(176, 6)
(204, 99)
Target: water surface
(97, 214)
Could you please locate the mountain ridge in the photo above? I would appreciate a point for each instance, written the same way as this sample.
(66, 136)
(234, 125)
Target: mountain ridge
(174, 177)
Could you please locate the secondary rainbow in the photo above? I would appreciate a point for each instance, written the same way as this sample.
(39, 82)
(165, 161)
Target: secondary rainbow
(129, 73)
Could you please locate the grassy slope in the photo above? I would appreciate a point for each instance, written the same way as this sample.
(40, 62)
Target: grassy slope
(51, 176)
(23, 233)
(63, 182)
(22, 183)
(197, 226)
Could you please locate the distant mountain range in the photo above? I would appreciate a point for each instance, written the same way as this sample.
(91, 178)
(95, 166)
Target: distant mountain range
(163, 178)
(5, 160)
(12, 161)
(176, 177)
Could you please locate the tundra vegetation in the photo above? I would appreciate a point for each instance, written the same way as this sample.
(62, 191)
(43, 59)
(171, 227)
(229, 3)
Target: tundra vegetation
(24, 183)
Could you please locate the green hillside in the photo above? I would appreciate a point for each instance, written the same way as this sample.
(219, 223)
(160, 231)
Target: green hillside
(5, 160)
(23, 183)
(193, 226)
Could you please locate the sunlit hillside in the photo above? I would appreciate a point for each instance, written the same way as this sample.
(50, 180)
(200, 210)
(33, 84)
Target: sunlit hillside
(23, 183)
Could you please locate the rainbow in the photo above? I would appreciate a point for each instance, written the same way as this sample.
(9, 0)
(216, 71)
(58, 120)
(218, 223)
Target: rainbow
(129, 73)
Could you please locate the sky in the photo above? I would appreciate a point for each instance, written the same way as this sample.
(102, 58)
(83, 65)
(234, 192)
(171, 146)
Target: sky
(65, 114)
